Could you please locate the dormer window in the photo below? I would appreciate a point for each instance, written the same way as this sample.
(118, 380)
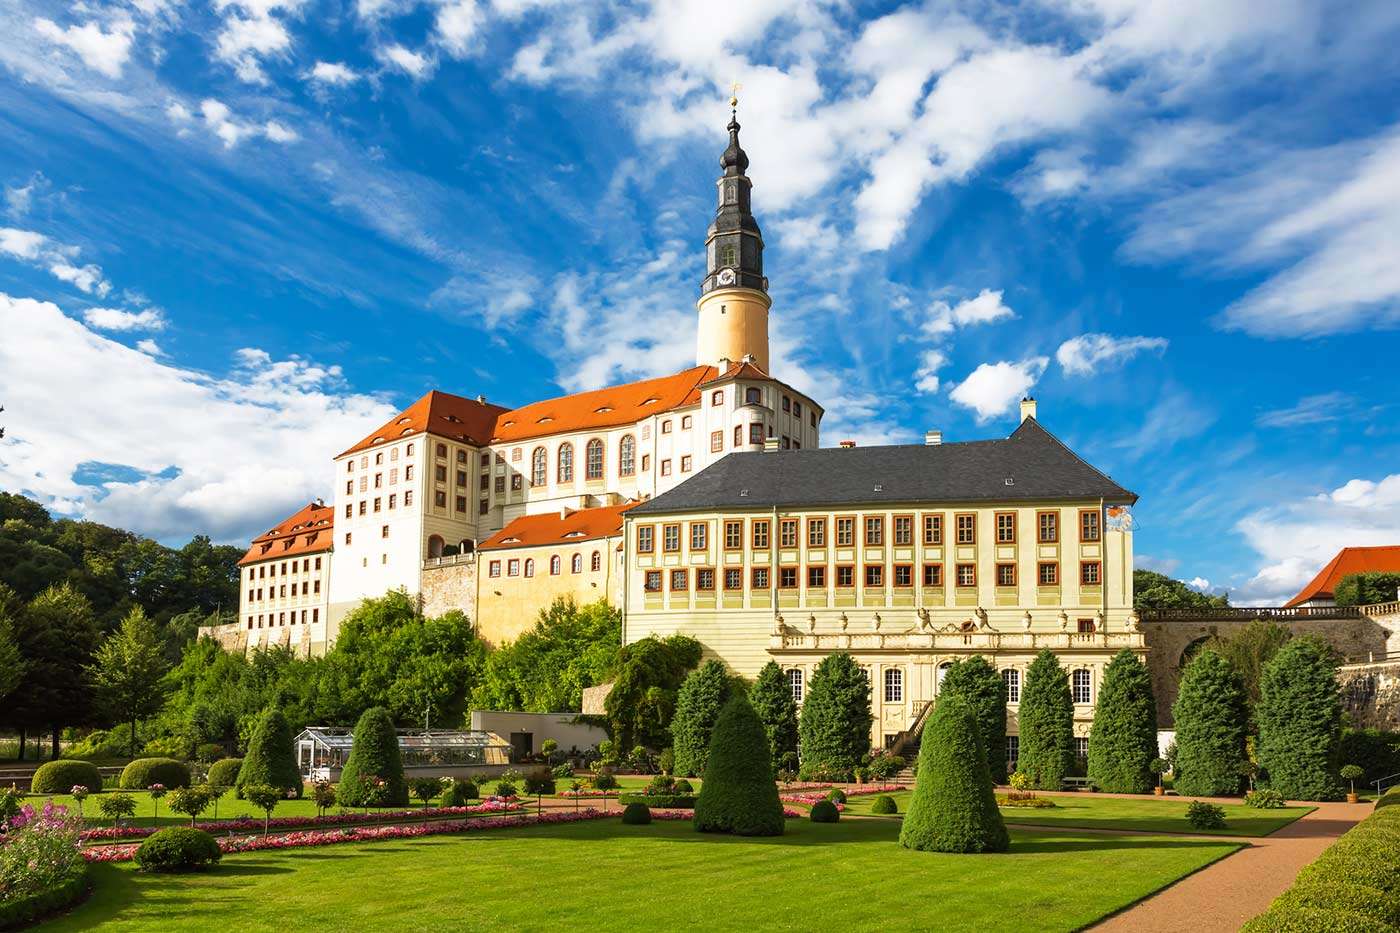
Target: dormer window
(403, 421)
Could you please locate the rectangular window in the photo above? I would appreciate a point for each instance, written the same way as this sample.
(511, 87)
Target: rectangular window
(845, 576)
(1080, 686)
(349, 487)
(787, 532)
(795, 682)
(738, 435)
(733, 535)
(408, 473)
(894, 685)
(733, 578)
(440, 499)
(349, 509)
(966, 524)
(378, 502)
(1048, 573)
(845, 531)
(756, 433)
(933, 575)
(646, 463)
(874, 575)
(666, 467)
(1081, 748)
(787, 403)
(500, 484)
(967, 574)
(347, 538)
(646, 544)
(903, 530)
(364, 483)
(653, 581)
(513, 567)
(699, 536)
(760, 533)
(440, 473)
(687, 422)
(461, 503)
(1047, 526)
(680, 581)
(1086, 626)
(816, 578)
(760, 578)
(383, 531)
(903, 575)
(462, 477)
(517, 482)
(716, 441)
(717, 397)
(393, 499)
(816, 532)
(787, 578)
(685, 463)
(363, 506)
(874, 530)
(1006, 574)
(483, 507)
(1089, 573)
(705, 579)
(1006, 527)
(671, 537)
(1089, 525)
(796, 408)
(666, 427)
(408, 498)
(933, 529)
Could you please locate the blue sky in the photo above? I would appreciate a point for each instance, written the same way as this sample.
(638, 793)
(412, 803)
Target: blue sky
(235, 235)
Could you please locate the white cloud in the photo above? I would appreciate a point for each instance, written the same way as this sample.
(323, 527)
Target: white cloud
(1174, 417)
(408, 61)
(1295, 539)
(994, 388)
(986, 308)
(103, 50)
(455, 26)
(278, 133)
(926, 377)
(1199, 584)
(226, 455)
(118, 320)
(1310, 410)
(220, 120)
(251, 34)
(21, 244)
(57, 258)
(333, 73)
(149, 347)
(1091, 353)
(178, 112)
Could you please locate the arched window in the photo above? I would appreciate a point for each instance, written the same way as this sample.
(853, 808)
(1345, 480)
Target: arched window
(576, 564)
(943, 672)
(530, 567)
(565, 472)
(1079, 686)
(555, 565)
(627, 456)
(1012, 678)
(435, 546)
(539, 466)
(751, 396)
(596, 564)
(593, 460)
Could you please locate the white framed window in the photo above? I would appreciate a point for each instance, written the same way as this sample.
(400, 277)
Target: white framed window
(796, 683)
(894, 685)
(1079, 685)
(576, 564)
(555, 566)
(1081, 748)
(942, 672)
(1012, 678)
(1013, 751)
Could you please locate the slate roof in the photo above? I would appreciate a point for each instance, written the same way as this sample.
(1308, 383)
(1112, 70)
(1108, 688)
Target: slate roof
(1038, 464)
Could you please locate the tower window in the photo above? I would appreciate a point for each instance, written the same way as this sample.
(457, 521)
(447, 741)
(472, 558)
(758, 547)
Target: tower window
(728, 255)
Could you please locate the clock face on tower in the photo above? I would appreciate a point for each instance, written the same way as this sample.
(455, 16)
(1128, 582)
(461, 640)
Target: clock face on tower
(726, 277)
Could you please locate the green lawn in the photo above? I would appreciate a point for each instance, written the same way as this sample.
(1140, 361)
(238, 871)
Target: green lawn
(844, 876)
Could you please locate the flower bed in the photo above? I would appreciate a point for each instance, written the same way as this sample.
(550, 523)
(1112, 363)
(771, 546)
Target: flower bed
(40, 868)
(859, 790)
(588, 792)
(488, 806)
(807, 800)
(326, 837)
(788, 812)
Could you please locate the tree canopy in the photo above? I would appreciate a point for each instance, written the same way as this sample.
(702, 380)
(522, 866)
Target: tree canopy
(56, 634)
(1367, 589)
(1046, 723)
(546, 669)
(1210, 714)
(1249, 649)
(954, 808)
(127, 670)
(1300, 721)
(1153, 590)
(834, 728)
(1123, 738)
(981, 685)
(698, 704)
(643, 698)
(771, 696)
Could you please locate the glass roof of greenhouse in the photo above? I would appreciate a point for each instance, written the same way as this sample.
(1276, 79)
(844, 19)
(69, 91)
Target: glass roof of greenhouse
(336, 737)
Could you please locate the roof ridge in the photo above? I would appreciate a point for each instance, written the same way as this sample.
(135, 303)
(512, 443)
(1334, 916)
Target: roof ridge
(1066, 448)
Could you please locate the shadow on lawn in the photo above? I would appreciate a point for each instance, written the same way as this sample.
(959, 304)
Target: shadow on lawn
(1243, 827)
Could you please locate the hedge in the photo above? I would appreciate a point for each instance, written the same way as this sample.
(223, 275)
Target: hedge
(1123, 737)
(954, 808)
(660, 801)
(143, 772)
(1300, 721)
(271, 759)
(1353, 886)
(25, 910)
(739, 795)
(224, 772)
(59, 777)
(1211, 718)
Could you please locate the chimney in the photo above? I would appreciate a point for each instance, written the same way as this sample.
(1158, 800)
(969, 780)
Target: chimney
(565, 512)
(933, 438)
(847, 445)
(771, 443)
(481, 400)
(724, 364)
(1027, 407)
(748, 358)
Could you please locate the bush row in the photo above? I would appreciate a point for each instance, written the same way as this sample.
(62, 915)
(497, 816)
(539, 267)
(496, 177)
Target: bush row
(25, 910)
(661, 801)
(1354, 885)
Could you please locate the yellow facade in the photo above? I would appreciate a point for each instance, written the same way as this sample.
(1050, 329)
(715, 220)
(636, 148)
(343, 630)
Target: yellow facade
(733, 325)
(515, 584)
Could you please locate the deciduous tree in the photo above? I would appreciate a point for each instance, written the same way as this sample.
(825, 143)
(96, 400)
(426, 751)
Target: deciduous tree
(127, 670)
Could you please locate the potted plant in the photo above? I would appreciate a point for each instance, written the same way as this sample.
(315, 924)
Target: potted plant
(1350, 773)
(1159, 767)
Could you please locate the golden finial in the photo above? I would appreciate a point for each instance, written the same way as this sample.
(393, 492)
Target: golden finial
(734, 90)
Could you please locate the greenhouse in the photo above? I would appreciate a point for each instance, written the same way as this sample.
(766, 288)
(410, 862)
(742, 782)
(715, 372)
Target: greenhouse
(323, 750)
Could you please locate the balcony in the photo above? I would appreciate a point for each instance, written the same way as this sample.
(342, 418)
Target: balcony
(971, 642)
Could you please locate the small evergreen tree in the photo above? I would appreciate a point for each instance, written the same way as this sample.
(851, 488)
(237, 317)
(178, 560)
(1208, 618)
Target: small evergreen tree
(373, 774)
(835, 724)
(1123, 738)
(271, 758)
(771, 696)
(1211, 718)
(739, 795)
(954, 807)
(698, 705)
(981, 685)
(1300, 721)
(1047, 723)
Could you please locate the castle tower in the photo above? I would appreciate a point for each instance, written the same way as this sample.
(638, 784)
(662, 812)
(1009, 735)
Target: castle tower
(734, 298)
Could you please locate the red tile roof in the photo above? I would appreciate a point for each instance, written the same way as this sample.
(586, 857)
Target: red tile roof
(1348, 560)
(309, 531)
(603, 408)
(460, 419)
(550, 528)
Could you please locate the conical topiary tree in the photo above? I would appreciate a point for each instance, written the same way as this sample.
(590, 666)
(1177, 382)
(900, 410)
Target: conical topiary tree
(835, 725)
(1211, 718)
(271, 758)
(771, 696)
(739, 795)
(981, 685)
(954, 807)
(1046, 722)
(698, 704)
(1123, 738)
(1300, 721)
(373, 774)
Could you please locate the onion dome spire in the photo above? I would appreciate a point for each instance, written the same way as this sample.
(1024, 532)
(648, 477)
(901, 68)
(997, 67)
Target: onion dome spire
(734, 245)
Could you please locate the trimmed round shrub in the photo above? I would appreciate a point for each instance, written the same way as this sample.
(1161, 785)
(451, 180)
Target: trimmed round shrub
(59, 777)
(683, 787)
(884, 805)
(460, 793)
(143, 772)
(824, 811)
(1202, 815)
(1313, 920)
(224, 772)
(1211, 717)
(1264, 799)
(271, 757)
(954, 807)
(1342, 895)
(1123, 737)
(739, 795)
(1300, 721)
(373, 774)
(177, 849)
(837, 795)
(636, 814)
(1046, 722)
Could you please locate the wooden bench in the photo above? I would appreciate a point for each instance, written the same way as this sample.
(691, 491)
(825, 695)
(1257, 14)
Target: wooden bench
(1077, 783)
